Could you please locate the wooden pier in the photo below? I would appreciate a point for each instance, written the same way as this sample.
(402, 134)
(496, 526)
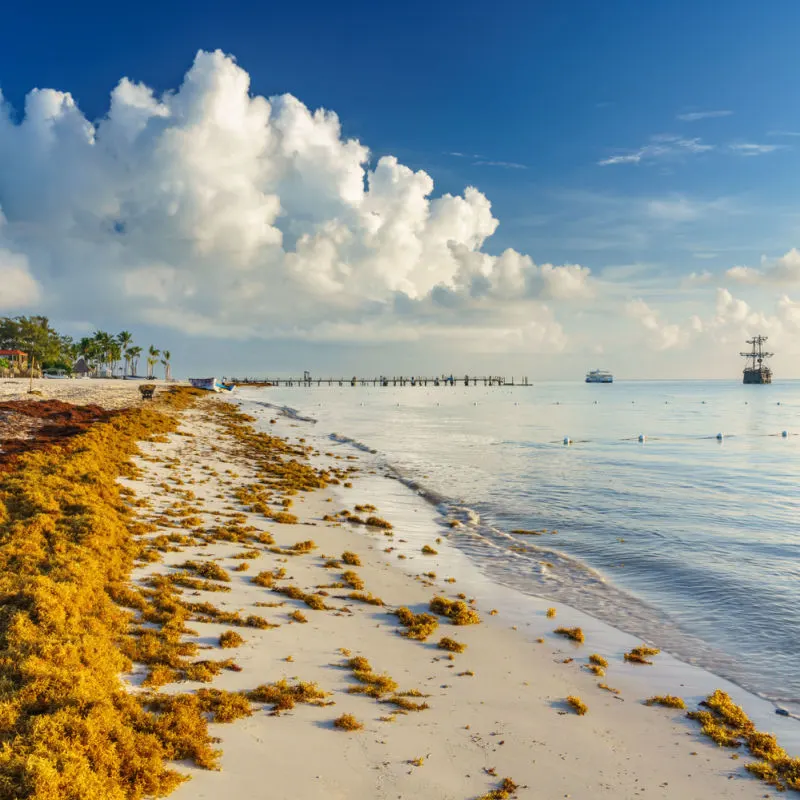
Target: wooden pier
(443, 380)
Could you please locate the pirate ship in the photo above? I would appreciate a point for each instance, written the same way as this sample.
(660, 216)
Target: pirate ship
(755, 370)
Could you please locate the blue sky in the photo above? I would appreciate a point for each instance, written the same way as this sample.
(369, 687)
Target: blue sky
(642, 141)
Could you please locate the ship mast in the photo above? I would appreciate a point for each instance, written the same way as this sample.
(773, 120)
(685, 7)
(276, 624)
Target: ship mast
(757, 354)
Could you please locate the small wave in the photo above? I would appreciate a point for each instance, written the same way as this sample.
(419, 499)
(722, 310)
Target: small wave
(286, 411)
(335, 437)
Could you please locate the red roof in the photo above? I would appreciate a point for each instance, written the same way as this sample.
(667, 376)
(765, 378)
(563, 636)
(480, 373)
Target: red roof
(12, 353)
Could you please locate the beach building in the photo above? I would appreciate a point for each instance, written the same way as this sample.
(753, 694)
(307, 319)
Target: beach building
(81, 368)
(18, 359)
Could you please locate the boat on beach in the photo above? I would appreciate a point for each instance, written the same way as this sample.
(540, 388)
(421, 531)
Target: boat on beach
(211, 385)
(599, 376)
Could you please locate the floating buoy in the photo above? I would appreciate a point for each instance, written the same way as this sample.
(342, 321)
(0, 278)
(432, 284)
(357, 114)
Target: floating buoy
(567, 440)
(720, 437)
(785, 434)
(642, 437)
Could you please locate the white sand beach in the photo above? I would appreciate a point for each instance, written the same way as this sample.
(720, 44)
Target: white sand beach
(496, 710)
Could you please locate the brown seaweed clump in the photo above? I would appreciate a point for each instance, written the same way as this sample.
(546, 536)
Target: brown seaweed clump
(66, 553)
(457, 611)
(230, 639)
(418, 626)
(366, 597)
(351, 559)
(347, 722)
(577, 705)
(283, 696)
(727, 724)
(503, 792)
(451, 645)
(311, 600)
(666, 700)
(576, 634)
(639, 654)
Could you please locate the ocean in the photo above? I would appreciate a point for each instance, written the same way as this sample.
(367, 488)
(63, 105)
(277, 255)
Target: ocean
(687, 539)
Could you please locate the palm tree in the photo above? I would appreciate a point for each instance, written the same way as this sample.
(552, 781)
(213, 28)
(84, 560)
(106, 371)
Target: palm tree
(152, 359)
(125, 339)
(133, 353)
(167, 368)
(103, 342)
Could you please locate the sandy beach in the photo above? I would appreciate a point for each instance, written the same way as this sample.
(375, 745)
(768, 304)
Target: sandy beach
(435, 723)
(104, 392)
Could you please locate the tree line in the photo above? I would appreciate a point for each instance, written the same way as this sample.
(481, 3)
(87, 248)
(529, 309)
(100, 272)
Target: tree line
(46, 348)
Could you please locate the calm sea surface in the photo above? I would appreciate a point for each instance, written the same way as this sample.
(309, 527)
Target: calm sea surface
(687, 540)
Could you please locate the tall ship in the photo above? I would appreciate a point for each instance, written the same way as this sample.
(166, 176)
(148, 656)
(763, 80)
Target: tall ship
(756, 371)
(599, 376)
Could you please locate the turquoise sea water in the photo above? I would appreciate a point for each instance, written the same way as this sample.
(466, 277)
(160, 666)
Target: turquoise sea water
(688, 540)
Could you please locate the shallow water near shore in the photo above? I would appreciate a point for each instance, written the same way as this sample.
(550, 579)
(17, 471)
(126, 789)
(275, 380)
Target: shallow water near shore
(686, 540)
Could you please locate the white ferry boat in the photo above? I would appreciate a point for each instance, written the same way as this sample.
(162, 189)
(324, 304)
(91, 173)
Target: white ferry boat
(599, 376)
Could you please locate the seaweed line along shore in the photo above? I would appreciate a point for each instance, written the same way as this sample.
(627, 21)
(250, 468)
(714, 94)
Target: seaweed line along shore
(225, 568)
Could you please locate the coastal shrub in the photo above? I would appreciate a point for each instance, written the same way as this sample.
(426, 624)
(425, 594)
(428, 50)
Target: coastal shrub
(667, 700)
(347, 722)
(576, 634)
(577, 705)
(457, 611)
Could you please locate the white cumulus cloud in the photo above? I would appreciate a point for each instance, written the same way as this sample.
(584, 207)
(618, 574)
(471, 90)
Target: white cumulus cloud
(226, 214)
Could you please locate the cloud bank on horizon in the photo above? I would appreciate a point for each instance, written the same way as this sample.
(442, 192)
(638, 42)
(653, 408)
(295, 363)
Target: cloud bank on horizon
(222, 214)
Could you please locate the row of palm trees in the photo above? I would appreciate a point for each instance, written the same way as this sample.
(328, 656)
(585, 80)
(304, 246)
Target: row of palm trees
(105, 349)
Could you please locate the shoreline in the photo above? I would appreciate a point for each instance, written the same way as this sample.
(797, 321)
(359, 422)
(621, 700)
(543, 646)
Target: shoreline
(585, 574)
(497, 710)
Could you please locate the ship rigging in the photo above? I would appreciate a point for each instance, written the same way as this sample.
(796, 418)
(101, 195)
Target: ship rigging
(755, 370)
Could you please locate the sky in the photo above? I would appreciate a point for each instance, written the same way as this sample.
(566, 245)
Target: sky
(519, 188)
